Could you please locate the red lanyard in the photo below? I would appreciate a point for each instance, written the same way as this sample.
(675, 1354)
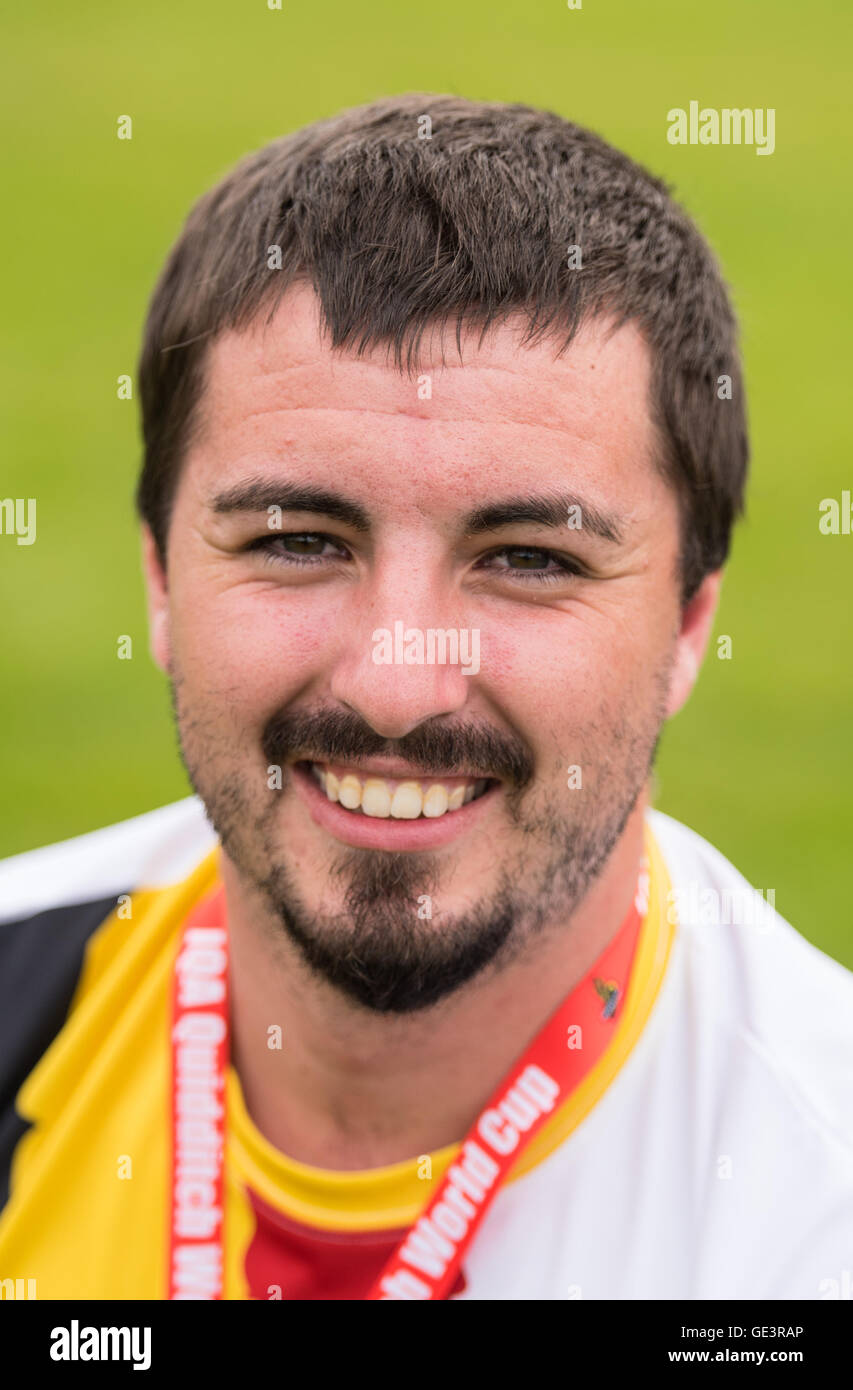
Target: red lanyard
(425, 1264)
(199, 1066)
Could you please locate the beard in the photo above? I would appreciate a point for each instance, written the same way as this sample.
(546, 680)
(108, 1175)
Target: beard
(389, 947)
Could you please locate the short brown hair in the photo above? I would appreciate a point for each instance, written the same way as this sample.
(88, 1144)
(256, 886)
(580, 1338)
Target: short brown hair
(398, 226)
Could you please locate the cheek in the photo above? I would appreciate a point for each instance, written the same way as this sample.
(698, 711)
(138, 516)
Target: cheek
(250, 648)
(555, 663)
(574, 673)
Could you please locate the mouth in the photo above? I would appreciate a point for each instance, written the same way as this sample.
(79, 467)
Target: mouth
(398, 798)
(389, 807)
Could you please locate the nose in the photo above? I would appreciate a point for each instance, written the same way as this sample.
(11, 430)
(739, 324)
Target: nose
(404, 662)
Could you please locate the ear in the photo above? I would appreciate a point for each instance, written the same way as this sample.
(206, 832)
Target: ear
(696, 621)
(158, 602)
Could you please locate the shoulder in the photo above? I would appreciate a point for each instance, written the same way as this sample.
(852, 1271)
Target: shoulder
(52, 903)
(147, 851)
(754, 983)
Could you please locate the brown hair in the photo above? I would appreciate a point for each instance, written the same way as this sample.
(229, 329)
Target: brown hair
(397, 232)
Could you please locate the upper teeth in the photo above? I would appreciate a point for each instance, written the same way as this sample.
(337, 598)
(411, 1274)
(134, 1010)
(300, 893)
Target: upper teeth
(400, 800)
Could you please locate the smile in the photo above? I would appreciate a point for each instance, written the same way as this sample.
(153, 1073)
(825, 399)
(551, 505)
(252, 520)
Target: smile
(395, 798)
(390, 807)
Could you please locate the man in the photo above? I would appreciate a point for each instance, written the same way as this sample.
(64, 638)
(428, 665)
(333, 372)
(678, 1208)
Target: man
(444, 442)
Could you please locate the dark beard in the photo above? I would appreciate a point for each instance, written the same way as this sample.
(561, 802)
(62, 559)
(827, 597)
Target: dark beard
(381, 950)
(377, 950)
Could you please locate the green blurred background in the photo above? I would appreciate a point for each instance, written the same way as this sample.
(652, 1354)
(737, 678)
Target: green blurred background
(760, 761)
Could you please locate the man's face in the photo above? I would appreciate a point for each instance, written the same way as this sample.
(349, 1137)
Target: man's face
(511, 500)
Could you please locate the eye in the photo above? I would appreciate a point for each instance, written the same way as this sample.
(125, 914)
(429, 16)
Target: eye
(530, 562)
(298, 547)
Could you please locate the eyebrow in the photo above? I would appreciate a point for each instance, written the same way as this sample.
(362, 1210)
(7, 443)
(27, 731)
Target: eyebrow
(547, 510)
(551, 509)
(292, 497)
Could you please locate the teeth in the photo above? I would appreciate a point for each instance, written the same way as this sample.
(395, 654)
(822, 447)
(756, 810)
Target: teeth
(401, 801)
(436, 801)
(349, 792)
(407, 801)
(376, 798)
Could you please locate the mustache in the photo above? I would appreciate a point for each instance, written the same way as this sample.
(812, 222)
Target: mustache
(432, 748)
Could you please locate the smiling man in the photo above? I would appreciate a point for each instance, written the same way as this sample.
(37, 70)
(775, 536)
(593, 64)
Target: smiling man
(413, 1000)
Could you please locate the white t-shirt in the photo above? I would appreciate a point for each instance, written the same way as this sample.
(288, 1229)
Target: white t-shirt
(718, 1163)
(708, 1155)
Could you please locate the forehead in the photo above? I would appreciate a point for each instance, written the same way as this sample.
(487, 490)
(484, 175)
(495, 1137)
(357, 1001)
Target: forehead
(278, 396)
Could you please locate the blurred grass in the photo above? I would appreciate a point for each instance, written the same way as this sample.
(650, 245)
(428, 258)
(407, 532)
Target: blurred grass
(760, 761)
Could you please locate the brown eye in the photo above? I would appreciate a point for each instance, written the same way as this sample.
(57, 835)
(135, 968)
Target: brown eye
(295, 548)
(305, 543)
(524, 558)
(532, 563)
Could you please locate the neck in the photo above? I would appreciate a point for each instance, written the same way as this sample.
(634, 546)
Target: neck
(351, 1090)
